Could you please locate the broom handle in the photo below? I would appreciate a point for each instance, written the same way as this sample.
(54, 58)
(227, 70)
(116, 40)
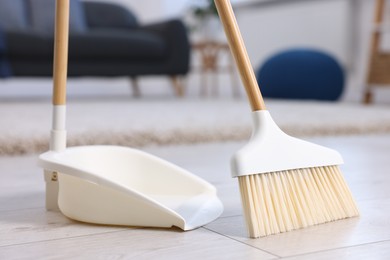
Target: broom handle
(240, 54)
(60, 68)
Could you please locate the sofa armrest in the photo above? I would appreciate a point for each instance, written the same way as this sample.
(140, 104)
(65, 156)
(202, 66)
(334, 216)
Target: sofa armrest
(107, 15)
(175, 35)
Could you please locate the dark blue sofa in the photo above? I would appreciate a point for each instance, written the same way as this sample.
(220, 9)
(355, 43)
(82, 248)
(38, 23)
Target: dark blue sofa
(115, 44)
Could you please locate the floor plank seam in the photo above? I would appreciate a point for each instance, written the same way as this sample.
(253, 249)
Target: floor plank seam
(62, 238)
(241, 242)
(336, 248)
(16, 210)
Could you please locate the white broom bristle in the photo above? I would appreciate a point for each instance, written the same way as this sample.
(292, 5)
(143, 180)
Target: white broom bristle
(282, 201)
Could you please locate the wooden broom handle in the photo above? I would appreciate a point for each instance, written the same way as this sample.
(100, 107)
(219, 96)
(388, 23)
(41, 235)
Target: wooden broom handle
(240, 54)
(60, 67)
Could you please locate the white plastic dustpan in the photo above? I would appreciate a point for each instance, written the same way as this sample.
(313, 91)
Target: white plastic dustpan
(116, 185)
(123, 186)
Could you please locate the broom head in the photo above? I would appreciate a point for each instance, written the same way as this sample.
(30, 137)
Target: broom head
(287, 183)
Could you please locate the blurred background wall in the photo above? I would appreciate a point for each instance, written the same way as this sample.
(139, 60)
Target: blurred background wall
(340, 27)
(329, 25)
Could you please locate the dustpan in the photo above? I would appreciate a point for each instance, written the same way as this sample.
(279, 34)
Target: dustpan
(114, 185)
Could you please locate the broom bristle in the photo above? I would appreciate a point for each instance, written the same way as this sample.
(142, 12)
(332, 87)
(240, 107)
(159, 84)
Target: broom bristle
(282, 201)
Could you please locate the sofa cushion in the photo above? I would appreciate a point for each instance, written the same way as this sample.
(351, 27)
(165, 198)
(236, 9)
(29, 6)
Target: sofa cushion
(95, 44)
(43, 16)
(2, 43)
(28, 45)
(109, 44)
(109, 15)
(5, 70)
(13, 15)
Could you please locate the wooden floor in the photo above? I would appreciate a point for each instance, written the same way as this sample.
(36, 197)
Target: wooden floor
(27, 231)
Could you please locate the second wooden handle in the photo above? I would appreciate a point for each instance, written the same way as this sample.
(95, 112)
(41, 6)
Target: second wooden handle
(240, 54)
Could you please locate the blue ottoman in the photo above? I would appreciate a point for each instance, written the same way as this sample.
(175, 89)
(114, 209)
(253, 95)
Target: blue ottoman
(5, 70)
(302, 74)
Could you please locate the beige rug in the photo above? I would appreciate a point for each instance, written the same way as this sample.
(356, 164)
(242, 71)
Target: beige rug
(25, 126)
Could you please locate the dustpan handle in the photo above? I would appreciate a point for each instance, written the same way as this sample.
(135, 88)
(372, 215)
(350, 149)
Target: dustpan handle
(240, 54)
(60, 68)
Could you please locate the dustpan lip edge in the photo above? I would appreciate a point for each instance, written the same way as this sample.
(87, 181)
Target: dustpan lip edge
(183, 171)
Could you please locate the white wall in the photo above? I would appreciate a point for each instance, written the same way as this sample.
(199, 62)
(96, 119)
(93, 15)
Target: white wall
(318, 24)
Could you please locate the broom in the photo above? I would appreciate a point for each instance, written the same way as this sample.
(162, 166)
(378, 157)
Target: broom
(285, 183)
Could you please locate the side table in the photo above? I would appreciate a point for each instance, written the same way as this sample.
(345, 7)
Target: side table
(210, 53)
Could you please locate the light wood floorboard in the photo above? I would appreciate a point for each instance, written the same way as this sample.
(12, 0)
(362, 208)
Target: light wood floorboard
(27, 231)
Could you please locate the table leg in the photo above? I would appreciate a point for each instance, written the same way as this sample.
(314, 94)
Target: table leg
(178, 86)
(135, 86)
